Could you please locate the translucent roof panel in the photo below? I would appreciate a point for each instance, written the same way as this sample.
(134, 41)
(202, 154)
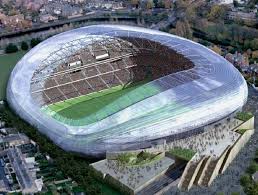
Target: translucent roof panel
(170, 105)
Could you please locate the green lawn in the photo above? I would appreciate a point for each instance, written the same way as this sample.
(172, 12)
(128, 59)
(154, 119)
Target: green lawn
(92, 103)
(7, 63)
(244, 116)
(183, 153)
(133, 159)
(66, 106)
(241, 131)
(92, 107)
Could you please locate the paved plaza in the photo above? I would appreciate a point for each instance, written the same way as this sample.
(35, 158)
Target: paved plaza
(228, 182)
(214, 141)
(133, 176)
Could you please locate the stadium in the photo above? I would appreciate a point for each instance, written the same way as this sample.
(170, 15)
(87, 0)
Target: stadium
(110, 87)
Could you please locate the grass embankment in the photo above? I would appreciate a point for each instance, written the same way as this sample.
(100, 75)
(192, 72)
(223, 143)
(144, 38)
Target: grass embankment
(182, 153)
(7, 63)
(241, 131)
(244, 116)
(134, 159)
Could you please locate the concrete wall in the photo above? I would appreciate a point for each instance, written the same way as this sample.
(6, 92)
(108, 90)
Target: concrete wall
(98, 174)
(199, 182)
(113, 155)
(118, 185)
(108, 179)
(234, 150)
(195, 173)
(218, 165)
(221, 165)
(127, 190)
(247, 124)
(189, 164)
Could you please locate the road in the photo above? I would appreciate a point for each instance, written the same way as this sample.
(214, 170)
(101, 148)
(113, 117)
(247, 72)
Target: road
(166, 179)
(98, 16)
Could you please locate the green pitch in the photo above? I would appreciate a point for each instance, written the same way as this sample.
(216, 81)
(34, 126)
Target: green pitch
(96, 106)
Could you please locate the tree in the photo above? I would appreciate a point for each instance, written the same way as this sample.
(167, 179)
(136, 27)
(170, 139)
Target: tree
(190, 13)
(71, 164)
(235, 3)
(217, 13)
(155, 2)
(135, 3)
(252, 168)
(247, 45)
(245, 180)
(183, 29)
(216, 49)
(253, 189)
(181, 4)
(168, 4)
(254, 44)
(11, 48)
(24, 46)
(34, 42)
(255, 56)
(149, 4)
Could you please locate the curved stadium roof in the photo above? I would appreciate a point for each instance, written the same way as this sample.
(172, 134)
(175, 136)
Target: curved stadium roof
(170, 105)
